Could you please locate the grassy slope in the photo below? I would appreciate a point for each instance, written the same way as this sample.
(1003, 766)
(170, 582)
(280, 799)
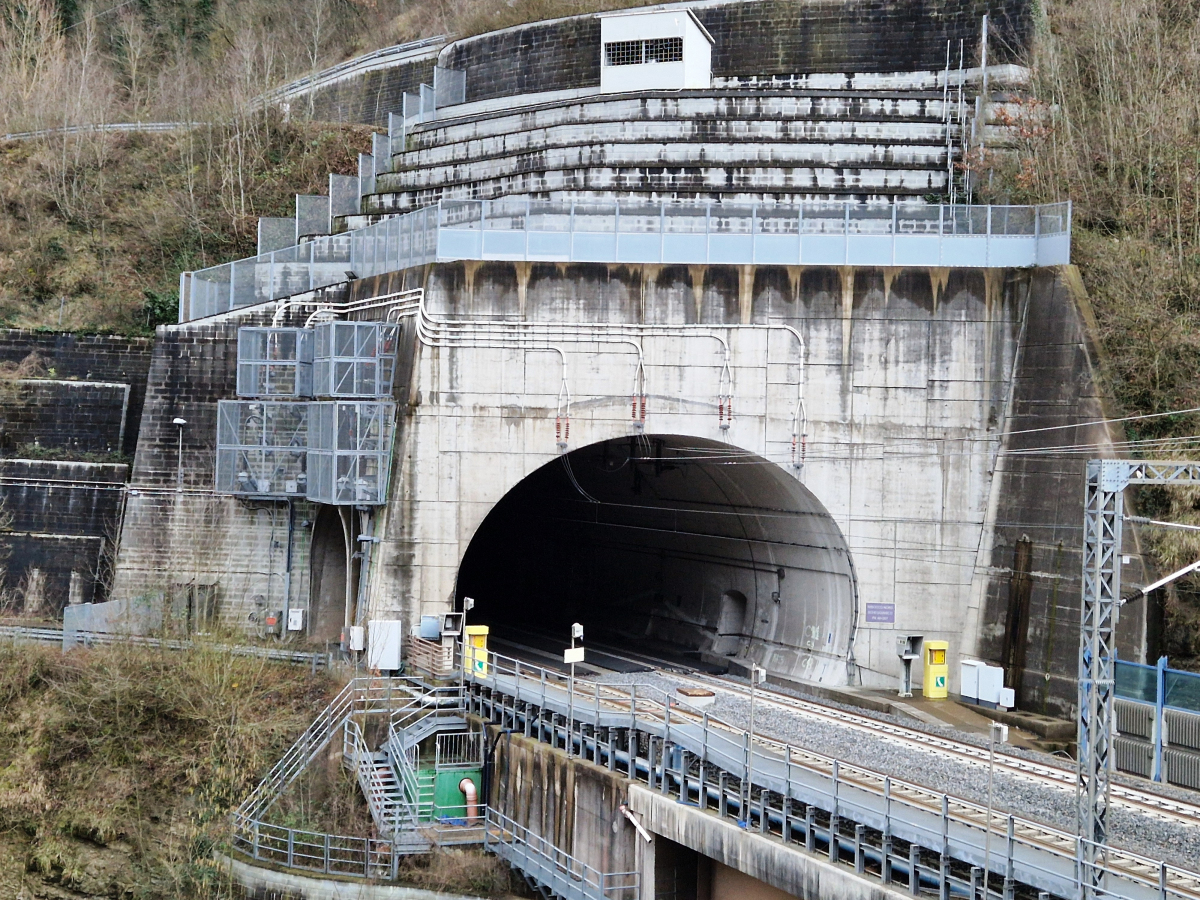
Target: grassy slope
(101, 240)
(1115, 127)
(117, 766)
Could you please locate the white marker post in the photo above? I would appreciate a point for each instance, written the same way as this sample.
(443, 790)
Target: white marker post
(572, 655)
(757, 676)
(468, 605)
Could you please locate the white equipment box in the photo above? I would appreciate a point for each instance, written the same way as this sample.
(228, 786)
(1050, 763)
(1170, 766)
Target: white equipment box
(385, 638)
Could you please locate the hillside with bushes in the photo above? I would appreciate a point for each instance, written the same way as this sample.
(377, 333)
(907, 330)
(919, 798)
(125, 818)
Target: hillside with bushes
(97, 227)
(1113, 123)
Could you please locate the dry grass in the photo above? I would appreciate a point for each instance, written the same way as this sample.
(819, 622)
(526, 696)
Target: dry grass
(1115, 126)
(137, 754)
(155, 205)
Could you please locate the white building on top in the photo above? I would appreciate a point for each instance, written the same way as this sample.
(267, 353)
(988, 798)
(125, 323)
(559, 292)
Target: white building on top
(654, 50)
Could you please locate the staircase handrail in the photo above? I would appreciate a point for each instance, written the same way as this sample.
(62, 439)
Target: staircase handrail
(588, 882)
(359, 695)
(368, 779)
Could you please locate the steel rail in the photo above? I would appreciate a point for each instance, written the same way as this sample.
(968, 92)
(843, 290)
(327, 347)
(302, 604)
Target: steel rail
(1050, 855)
(1168, 808)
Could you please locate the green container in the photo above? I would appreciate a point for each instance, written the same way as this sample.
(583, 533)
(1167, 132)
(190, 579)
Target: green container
(448, 800)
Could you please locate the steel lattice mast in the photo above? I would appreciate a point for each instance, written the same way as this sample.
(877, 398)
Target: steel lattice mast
(1104, 510)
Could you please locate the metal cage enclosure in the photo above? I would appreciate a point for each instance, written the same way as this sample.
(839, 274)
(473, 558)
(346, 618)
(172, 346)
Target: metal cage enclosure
(349, 452)
(262, 448)
(275, 362)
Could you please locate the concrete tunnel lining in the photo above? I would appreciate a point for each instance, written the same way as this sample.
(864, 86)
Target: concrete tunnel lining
(658, 537)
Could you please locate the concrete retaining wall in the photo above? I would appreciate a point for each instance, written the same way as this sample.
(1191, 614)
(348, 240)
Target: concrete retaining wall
(261, 883)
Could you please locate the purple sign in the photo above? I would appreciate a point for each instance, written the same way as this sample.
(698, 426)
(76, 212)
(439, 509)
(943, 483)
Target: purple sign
(882, 613)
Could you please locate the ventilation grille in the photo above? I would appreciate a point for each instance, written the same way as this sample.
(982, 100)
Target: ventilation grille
(1135, 719)
(1183, 767)
(1183, 729)
(1134, 756)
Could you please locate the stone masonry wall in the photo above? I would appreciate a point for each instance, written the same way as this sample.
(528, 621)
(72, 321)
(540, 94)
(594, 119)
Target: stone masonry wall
(74, 416)
(175, 535)
(368, 98)
(755, 37)
(89, 357)
(65, 517)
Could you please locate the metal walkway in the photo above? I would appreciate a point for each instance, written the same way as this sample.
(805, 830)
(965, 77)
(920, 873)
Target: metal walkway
(931, 840)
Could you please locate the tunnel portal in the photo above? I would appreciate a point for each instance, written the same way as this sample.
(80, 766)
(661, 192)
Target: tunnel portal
(670, 539)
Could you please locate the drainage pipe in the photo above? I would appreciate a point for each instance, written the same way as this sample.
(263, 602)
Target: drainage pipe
(467, 786)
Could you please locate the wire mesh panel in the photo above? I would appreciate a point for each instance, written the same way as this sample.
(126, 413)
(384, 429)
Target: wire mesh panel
(275, 362)
(349, 451)
(262, 448)
(354, 359)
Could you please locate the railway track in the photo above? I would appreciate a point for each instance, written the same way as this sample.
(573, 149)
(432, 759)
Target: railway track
(1032, 834)
(1166, 807)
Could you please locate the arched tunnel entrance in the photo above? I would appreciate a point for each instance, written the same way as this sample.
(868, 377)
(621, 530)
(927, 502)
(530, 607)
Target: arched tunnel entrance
(674, 539)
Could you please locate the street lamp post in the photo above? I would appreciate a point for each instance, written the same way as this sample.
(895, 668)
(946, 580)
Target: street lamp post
(179, 423)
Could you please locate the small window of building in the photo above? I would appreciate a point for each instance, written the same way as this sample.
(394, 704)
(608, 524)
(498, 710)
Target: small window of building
(664, 50)
(624, 53)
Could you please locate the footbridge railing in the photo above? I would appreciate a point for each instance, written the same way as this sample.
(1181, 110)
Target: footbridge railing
(556, 871)
(930, 839)
(518, 228)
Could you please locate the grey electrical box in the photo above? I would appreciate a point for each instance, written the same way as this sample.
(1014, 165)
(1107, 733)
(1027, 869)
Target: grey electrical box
(430, 628)
(274, 621)
(908, 648)
(452, 624)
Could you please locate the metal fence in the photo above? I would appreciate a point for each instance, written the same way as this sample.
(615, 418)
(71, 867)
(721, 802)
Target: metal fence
(814, 233)
(274, 362)
(1022, 851)
(562, 874)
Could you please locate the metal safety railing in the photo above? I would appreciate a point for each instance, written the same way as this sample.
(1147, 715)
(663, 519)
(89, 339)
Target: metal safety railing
(705, 760)
(397, 696)
(560, 873)
(314, 851)
(814, 233)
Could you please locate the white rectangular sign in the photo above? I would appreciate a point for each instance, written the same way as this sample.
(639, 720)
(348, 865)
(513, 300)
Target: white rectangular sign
(573, 655)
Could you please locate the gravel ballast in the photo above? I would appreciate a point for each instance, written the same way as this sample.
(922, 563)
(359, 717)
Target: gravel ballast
(1142, 833)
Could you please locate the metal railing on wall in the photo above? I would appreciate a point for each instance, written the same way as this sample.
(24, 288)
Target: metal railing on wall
(562, 874)
(701, 759)
(815, 233)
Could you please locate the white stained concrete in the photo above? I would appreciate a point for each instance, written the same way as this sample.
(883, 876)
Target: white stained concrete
(790, 869)
(904, 411)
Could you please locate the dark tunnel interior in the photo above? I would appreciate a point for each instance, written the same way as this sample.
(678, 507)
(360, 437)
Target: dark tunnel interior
(668, 539)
